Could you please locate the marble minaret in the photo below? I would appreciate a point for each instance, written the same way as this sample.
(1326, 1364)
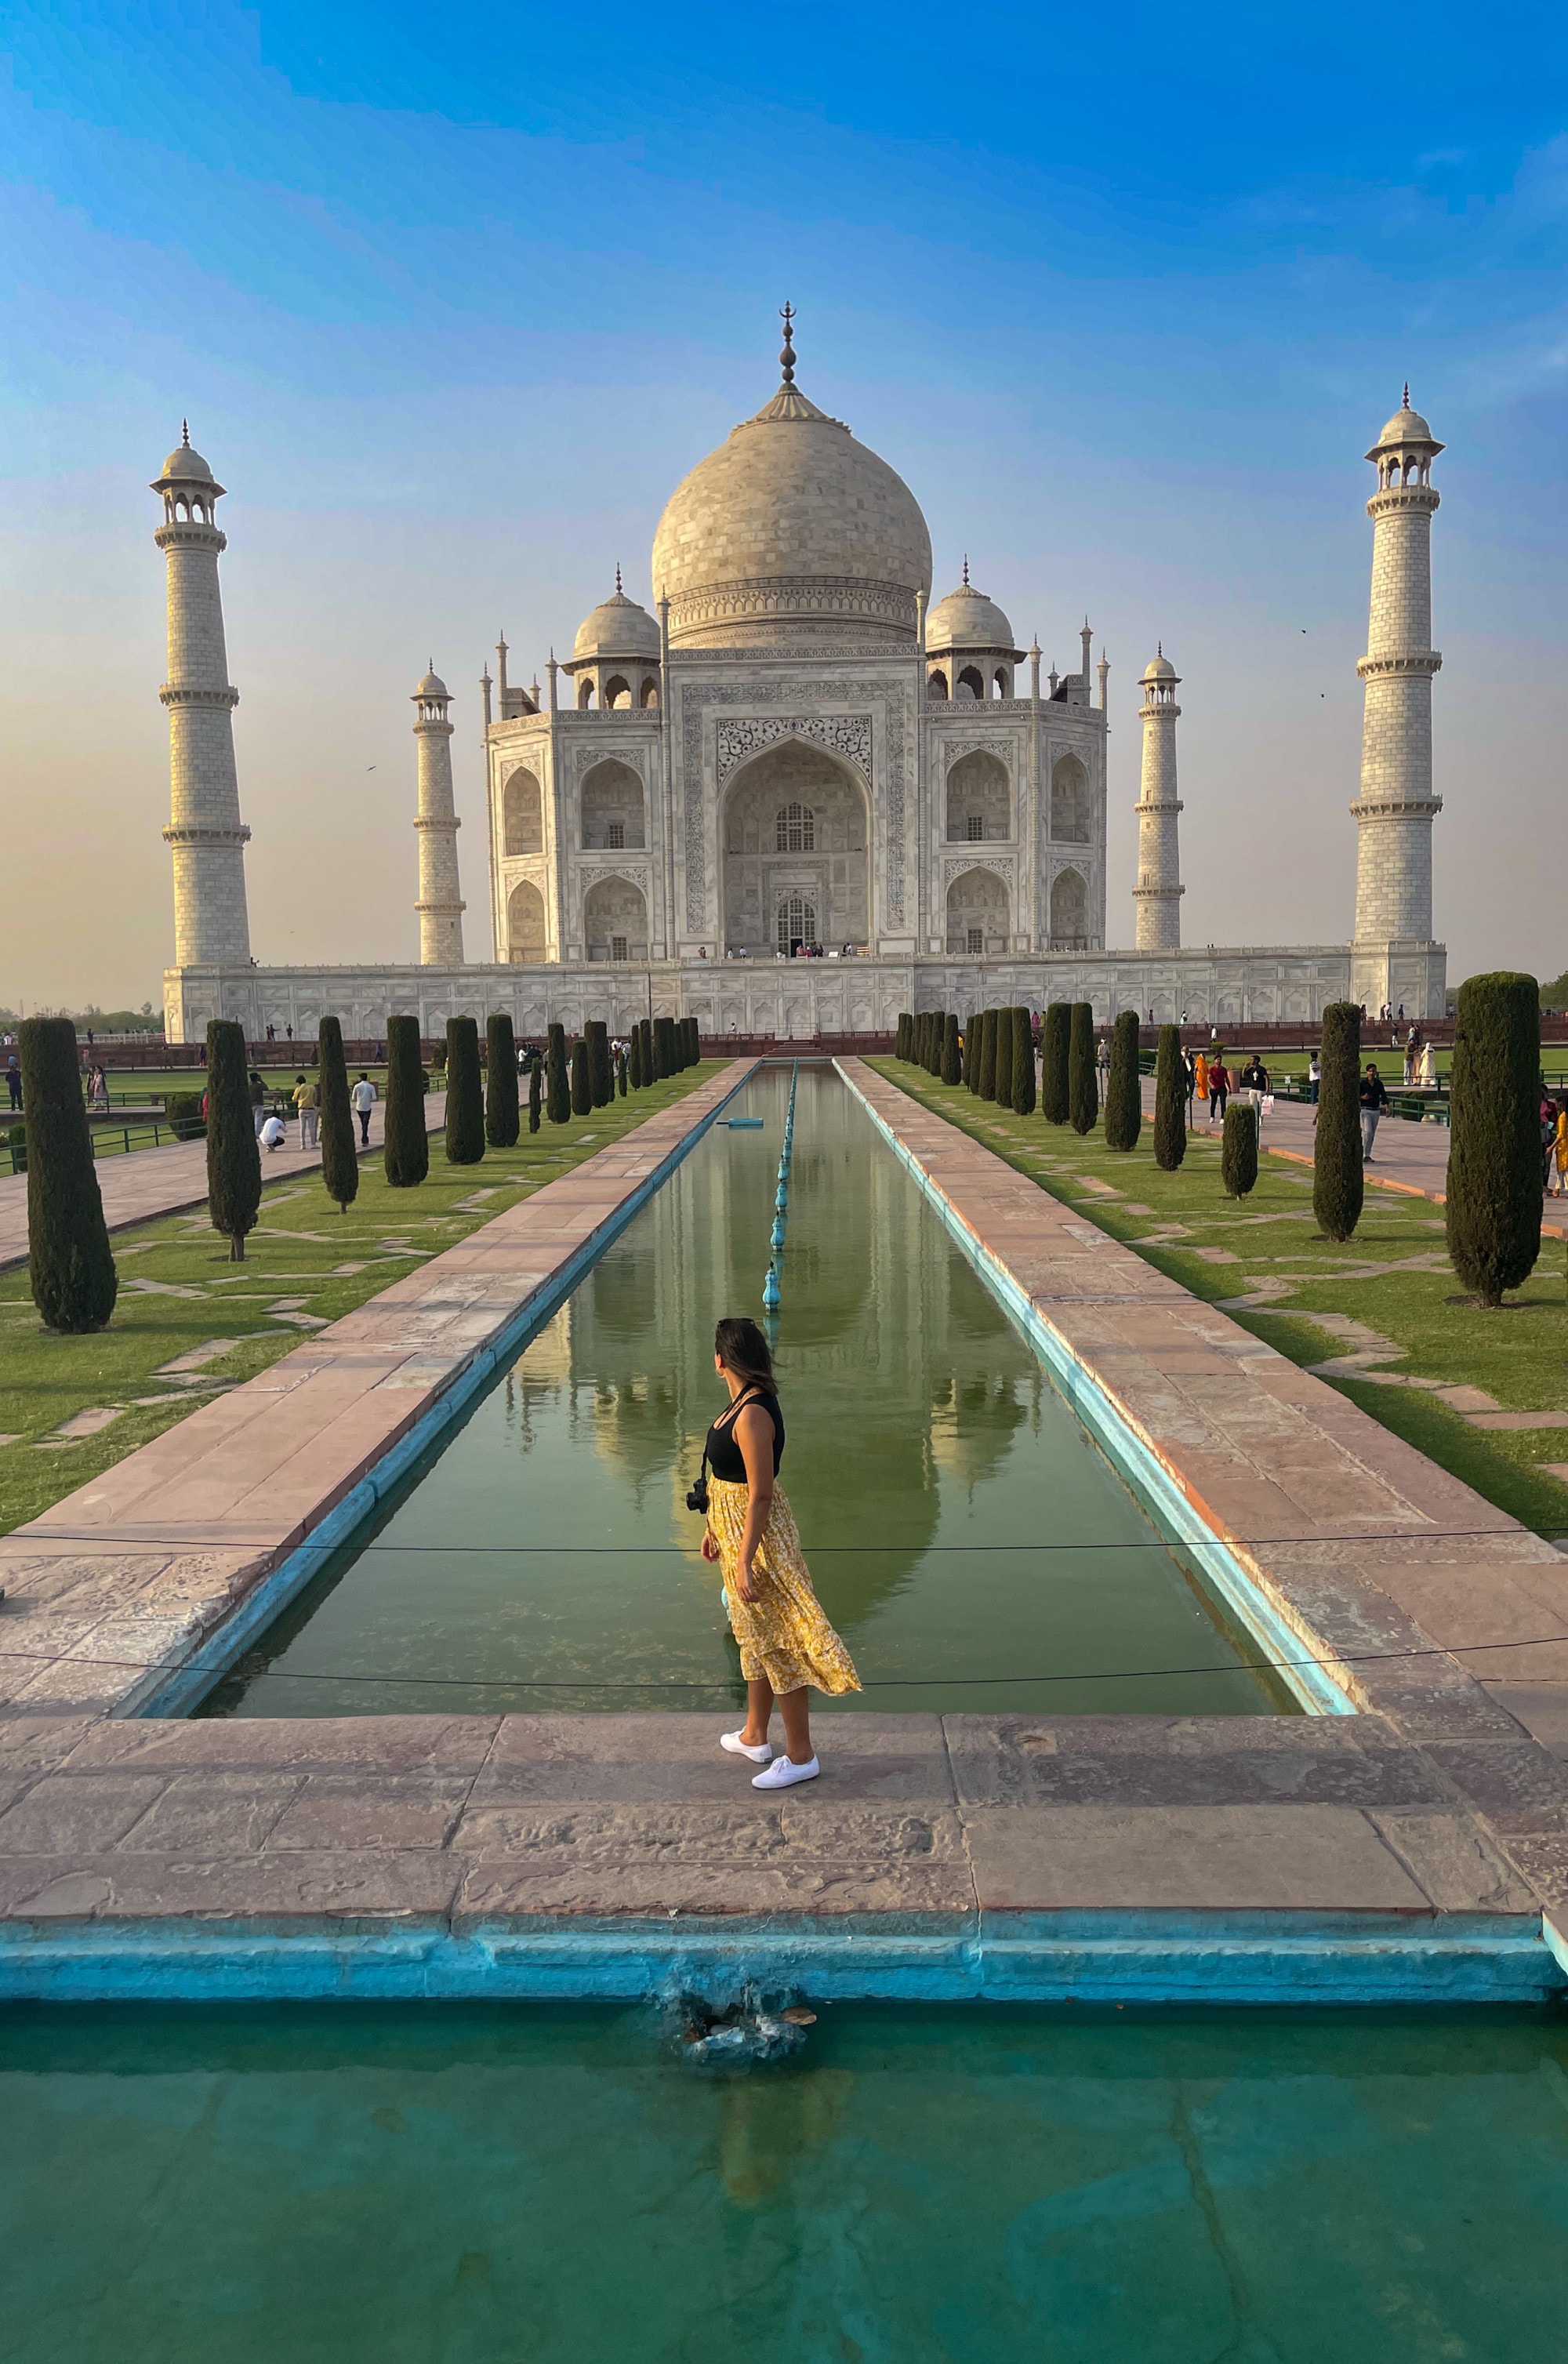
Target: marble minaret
(1393, 813)
(1158, 893)
(206, 833)
(440, 905)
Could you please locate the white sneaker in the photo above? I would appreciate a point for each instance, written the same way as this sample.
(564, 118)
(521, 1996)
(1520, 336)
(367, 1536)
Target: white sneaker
(784, 1773)
(739, 1747)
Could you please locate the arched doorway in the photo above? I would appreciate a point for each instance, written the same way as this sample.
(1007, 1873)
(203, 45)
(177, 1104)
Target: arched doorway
(612, 807)
(980, 801)
(1069, 913)
(979, 915)
(615, 920)
(795, 824)
(525, 923)
(794, 925)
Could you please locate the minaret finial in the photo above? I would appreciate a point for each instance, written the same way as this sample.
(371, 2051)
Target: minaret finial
(617, 581)
(786, 359)
(1407, 404)
(966, 570)
(185, 434)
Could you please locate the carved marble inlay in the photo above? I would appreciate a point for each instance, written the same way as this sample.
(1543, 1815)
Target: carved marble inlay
(842, 734)
(754, 733)
(954, 865)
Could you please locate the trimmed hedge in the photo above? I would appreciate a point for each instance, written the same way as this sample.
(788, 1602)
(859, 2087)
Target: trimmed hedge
(1002, 1075)
(987, 1055)
(1023, 1062)
(1124, 1090)
(339, 1158)
(501, 1121)
(1082, 1083)
(601, 1080)
(1170, 1101)
(558, 1088)
(183, 1111)
(233, 1153)
(1338, 1185)
(465, 1094)
(536, 1090)
(1055, 1035)
(582, 1088)
(1492, 1215)
(1238, 1149)
(71, 1267)
(406, 1144)
(952, 1071)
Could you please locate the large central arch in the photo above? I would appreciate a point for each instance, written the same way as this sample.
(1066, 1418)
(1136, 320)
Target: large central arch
(795, 823)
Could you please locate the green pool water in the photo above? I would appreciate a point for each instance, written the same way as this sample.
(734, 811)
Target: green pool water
(966, 1535)
(469, 2186)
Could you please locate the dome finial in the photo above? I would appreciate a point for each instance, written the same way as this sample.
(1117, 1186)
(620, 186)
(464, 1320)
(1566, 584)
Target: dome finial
(185, 434)
(786, 359)
(966, 570)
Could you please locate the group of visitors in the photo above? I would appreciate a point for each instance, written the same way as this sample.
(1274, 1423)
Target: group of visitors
(272, 1117)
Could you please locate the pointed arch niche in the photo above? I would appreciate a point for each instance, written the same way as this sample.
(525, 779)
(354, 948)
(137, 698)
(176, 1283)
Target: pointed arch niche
(979, 915)
(525, 923)
(522, 814)
(795, 823)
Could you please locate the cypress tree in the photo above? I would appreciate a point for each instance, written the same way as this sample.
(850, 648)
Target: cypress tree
(536, 1090)
(582, 1089)
(1082, 1083)
(406, 1145)
(645, 1035)
(1493, 1162)
(900, 1036)
(951, 1071)
(661, 1038)
(987, 1055)
(1054, 1043)
(696, 1041)
(1002, 1079)
(935, 1042)
(70, 1263)
(233, 1153)
(917, 1044)
(501, 1125)
(601, 1081)
(465, 1094)
(1238, 1149)
(339, 1157)
(1170, 1101)
(635, 1063)
(970, 1048)
(620, 1073)
(1338, 1184)
(1124, 1094)
(1023, 1062)
(557, 1093)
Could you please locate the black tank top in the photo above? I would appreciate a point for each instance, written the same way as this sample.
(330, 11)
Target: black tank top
(724, 1455)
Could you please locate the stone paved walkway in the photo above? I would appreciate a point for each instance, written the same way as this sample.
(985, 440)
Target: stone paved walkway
(146, 1183)
(1409, 1850)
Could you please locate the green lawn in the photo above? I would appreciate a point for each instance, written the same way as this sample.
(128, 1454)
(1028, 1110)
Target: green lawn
(179, 1292)
(1393, 1276)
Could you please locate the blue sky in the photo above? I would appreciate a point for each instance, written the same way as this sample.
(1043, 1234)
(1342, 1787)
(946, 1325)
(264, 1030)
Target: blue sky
(453, 299)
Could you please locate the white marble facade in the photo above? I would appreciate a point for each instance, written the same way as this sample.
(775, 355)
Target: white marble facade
(792, 746)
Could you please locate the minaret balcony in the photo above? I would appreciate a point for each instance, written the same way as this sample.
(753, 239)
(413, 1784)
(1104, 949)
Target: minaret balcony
(1407, 660)
(183, 694)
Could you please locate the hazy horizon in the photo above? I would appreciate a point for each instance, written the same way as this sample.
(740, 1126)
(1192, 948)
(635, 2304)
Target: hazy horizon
(451, 310)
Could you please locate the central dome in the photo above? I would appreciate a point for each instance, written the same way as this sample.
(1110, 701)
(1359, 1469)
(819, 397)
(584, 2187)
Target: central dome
(790, 533)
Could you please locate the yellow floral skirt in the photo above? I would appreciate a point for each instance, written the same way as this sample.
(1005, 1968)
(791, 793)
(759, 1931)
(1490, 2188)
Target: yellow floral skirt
(785, 1639)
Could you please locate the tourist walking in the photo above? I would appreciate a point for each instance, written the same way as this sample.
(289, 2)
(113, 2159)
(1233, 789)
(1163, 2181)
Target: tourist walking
(1314, 1078)
(308, 1104)
(1190, 1071)
(786, 1642)
(258, 1101)
(1426, 1074)
(1375, 1099)
(1218, 1089)
(362, 1100)
(1200, 1076)
(1255, 1084)
(14, 1080)
(1558, 1183)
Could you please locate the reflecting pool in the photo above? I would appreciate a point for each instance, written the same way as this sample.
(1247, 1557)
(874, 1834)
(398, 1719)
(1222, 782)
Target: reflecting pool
(971, 1542)
(462, 2186)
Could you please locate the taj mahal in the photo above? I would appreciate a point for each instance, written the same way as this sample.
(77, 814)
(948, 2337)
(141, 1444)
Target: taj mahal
(793, 795)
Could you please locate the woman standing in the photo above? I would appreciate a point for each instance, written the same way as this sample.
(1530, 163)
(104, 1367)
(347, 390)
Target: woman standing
(1560, 1150)
(785, 1641)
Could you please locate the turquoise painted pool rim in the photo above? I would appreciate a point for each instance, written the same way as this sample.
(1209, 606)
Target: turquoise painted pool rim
(1226, 1958)
(1314, 1687)
(175, 1693)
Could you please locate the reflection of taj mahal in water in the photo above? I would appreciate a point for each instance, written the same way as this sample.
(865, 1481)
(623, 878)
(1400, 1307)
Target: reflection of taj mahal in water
(793, 748)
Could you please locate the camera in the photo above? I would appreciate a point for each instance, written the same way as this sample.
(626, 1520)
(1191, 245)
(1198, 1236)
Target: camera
(696, 1500)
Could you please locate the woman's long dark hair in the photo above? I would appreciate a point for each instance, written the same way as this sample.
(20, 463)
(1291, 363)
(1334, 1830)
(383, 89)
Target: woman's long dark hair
(741, 1348)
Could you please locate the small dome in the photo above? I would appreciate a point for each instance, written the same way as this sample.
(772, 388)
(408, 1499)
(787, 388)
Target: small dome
(432, 686)
(967, 620)
(617, 628)
(1406, 427)
(183, 461)
(1160, 668)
